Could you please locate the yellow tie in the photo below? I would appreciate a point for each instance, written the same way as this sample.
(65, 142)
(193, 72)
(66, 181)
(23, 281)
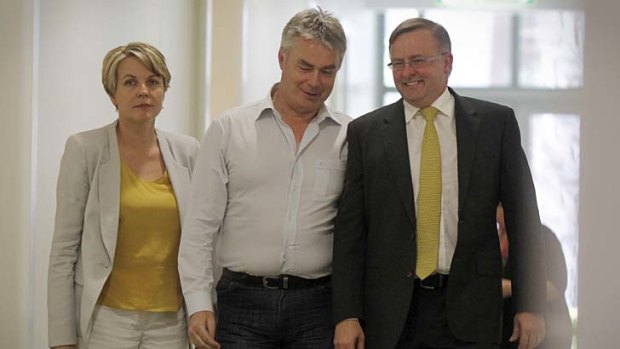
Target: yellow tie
(429, 198)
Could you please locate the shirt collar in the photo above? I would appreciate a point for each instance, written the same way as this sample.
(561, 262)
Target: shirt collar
(267, 105)
(444, 103)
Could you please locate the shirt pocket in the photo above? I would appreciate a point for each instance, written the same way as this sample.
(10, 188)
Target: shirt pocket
(329, 177)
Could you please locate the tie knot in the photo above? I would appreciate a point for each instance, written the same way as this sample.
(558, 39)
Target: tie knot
(429, 113)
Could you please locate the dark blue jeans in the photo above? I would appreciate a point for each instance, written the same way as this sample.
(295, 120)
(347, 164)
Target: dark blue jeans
(253, 317)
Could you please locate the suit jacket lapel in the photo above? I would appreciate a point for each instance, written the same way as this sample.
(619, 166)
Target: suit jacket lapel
(397, 153)
(467, 125)
(109, 192)
(179, 175)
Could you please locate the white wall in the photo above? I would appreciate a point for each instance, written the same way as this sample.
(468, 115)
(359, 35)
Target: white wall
(15, 125)
(599, 284)
(263, 24)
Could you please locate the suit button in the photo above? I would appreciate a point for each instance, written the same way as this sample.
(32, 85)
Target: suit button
(409, 275)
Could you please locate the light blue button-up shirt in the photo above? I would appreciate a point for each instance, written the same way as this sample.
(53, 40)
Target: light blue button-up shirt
(270, 202)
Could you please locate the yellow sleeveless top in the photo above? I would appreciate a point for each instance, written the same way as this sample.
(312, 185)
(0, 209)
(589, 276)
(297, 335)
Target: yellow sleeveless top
(144, 275)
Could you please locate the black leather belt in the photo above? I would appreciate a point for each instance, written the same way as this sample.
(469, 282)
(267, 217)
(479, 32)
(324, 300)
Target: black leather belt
(285, 282)
(433, 282)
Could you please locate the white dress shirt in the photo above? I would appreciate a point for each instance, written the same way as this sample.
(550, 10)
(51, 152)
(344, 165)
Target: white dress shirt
(270, 202)
(446, 130)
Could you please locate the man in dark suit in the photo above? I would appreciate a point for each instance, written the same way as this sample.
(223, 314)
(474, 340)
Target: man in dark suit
(383, 296)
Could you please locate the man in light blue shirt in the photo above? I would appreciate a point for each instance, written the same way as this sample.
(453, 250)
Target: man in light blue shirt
(267, 181)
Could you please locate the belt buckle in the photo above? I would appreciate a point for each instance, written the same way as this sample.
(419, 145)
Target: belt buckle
(284, 284)
(440, 282)
(426, 287)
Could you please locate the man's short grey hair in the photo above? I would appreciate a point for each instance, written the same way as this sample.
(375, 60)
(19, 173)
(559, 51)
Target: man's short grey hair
(412, 24)
(315, 24)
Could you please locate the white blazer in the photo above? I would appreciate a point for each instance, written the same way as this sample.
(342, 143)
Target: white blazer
(86, 226)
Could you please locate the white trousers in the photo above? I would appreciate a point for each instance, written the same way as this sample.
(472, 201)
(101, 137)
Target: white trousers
(128, 329)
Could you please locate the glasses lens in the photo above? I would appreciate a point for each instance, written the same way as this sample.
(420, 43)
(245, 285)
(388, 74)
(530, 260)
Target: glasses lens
(397, 66)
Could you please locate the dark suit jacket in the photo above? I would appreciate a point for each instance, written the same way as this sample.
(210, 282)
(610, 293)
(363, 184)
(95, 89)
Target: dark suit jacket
(374, 239)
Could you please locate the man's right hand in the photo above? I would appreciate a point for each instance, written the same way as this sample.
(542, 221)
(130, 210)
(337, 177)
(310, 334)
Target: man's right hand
(201, 330)
(349, 335)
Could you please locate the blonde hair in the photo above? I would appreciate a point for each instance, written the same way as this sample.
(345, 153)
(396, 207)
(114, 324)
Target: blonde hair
(145, 53)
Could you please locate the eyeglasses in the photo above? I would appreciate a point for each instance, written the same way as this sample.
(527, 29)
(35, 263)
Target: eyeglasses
(418, 62)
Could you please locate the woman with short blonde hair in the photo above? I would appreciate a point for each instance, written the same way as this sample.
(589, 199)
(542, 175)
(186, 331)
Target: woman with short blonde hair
(113, 279)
